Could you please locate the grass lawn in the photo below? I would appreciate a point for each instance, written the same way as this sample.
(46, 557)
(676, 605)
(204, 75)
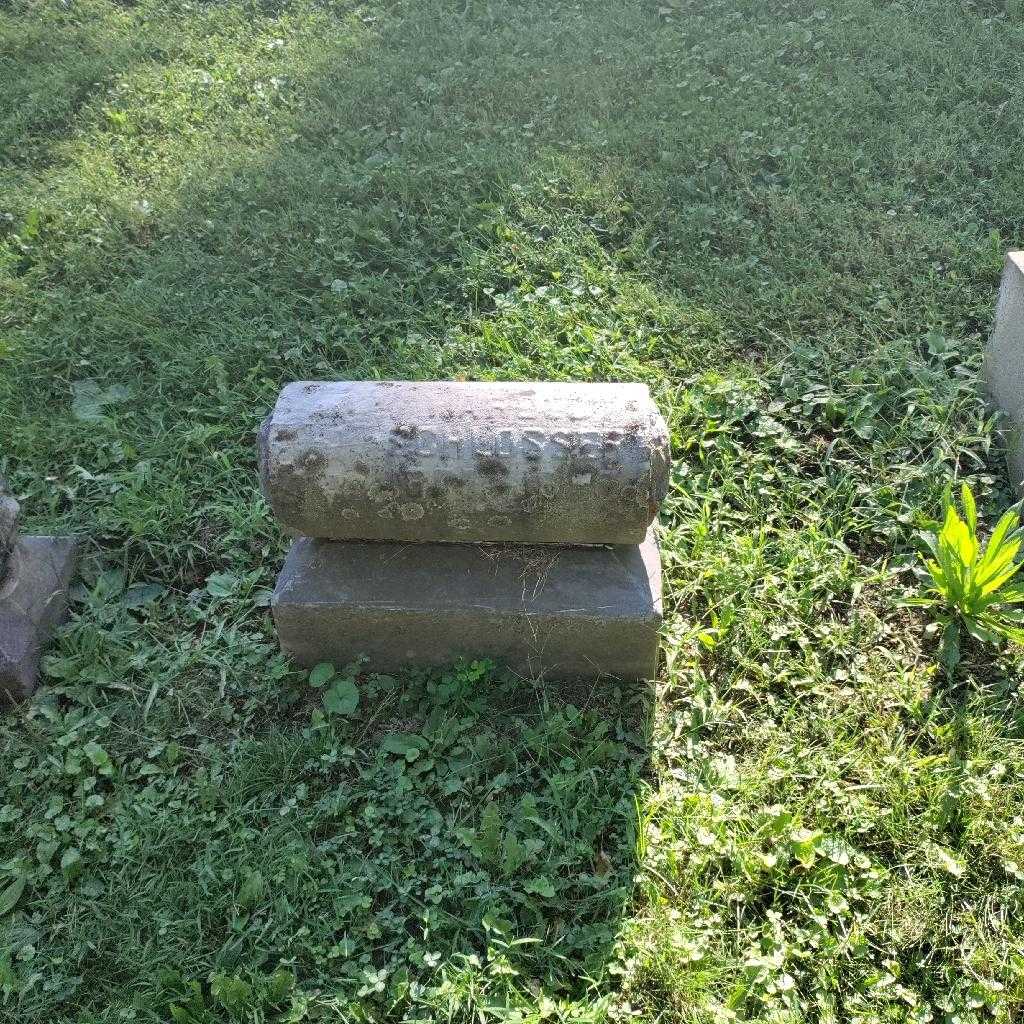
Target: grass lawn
(788, 217)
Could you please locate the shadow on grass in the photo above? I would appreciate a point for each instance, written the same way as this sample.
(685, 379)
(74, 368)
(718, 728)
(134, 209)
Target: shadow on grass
(465, 845)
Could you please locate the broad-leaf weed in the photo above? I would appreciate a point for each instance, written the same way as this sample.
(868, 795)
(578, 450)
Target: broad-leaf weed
(972, 585)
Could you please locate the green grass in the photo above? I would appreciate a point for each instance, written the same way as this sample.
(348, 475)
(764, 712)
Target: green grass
(786, 217)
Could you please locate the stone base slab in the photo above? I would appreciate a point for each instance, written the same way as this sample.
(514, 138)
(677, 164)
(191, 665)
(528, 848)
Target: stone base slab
(33, 602)
(542, 611)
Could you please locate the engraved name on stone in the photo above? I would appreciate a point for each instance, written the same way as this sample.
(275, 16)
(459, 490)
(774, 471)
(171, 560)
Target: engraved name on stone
(489, 462)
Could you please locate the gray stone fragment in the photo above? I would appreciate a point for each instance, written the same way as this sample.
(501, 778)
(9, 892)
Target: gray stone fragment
(33, 600)
(531, 463)
(543, 611)
(8, 524)
(1004, 365)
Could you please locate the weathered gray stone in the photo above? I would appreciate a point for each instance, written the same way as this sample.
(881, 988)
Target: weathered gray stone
(544, 611)
(33, 600)
(8, 524)
(532, 463)
(1004, 364)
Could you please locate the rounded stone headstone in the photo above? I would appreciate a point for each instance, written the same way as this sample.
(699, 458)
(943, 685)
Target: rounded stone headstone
(529, 463)
(9, 510)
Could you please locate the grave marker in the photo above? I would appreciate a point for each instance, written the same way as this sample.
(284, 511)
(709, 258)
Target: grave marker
(440, 520)
(538, 463)
(1004, 365)
(35, 573)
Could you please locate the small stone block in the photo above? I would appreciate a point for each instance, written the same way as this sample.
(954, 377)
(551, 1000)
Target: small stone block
(8, 524)
(33, 601)
(542, 611)
(1004, 364)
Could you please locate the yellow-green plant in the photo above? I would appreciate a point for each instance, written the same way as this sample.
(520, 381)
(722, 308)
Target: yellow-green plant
(972, 585)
